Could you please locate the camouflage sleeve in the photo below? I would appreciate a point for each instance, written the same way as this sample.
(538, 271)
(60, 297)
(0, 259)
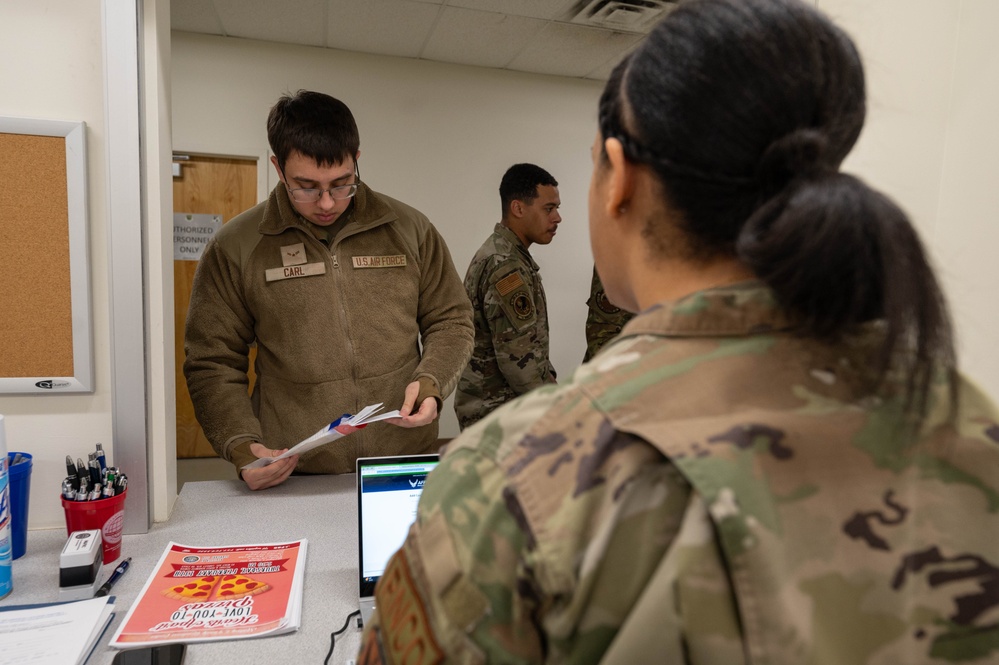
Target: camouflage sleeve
(520, 345)
(493, 572)
(604, 320)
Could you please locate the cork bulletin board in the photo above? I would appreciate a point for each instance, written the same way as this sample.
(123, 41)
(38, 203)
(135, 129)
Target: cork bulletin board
(45, 326)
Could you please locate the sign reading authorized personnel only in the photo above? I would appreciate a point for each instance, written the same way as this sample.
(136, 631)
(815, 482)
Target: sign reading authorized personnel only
(191, 233)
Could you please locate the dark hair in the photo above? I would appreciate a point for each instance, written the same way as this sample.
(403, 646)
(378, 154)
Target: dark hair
(314, 124)
(745, 109)
(520, 183)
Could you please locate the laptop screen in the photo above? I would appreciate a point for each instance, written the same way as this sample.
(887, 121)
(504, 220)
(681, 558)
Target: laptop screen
(388, 491)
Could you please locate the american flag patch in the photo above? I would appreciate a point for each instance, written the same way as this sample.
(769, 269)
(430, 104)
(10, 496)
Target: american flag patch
(509, 283)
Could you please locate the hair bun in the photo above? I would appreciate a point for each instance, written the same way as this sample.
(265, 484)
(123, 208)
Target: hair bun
(798, 154)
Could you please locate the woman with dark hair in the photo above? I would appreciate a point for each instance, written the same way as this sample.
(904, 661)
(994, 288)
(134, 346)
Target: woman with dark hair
(776, 461)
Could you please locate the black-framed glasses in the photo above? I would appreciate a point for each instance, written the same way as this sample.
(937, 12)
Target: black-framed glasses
(313, 194)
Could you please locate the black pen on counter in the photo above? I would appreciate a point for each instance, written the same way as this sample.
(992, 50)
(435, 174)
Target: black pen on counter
(115, 574)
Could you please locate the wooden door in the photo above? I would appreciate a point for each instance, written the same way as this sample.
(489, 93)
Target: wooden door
(216, 186)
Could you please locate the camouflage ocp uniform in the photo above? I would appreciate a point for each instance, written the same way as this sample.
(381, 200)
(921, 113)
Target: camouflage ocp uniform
(510, 314)
(710, 489)
(604, 319)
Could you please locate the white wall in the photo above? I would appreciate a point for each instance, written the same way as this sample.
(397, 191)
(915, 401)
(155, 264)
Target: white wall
(931, 142)
(438, 137)
(967, 232)
(54, 69)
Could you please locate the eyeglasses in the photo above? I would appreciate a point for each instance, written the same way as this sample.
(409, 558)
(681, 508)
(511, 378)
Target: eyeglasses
(312, 194)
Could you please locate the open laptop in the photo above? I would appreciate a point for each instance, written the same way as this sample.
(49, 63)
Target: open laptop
(388, 489)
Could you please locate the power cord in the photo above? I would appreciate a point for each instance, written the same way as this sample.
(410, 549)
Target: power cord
(346, 622)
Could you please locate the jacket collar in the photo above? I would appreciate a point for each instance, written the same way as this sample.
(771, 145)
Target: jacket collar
(746, 308)
(366, 209)
(514, 241)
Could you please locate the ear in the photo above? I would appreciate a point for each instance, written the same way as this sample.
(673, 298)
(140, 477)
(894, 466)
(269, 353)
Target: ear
(620, 179)
(357, 155)
(517, 208)
(277, 167)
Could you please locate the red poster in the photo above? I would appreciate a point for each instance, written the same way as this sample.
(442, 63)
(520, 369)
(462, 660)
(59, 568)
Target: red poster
(200, 594)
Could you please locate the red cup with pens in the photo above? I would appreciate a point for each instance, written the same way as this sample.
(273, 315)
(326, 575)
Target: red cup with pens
(93, 497)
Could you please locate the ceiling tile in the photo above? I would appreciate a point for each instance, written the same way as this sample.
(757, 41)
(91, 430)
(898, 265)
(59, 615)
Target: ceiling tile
(570, 50)
(486, 39)
(288, 21)
(522, 35)
(386, 27)
(603, 72)
(549, 9)
(194, 16)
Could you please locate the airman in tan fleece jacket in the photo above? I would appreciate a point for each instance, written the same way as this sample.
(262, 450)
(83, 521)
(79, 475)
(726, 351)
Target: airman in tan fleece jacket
(336, 329)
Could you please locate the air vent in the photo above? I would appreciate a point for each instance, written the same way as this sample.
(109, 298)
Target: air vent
(624, 15)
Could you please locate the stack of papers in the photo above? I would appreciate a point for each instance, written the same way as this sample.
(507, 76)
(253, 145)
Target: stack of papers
(337, 429)
(55, 633)
(202, 594)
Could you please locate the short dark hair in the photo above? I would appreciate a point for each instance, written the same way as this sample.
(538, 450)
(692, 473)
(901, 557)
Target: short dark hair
(520, 183)
(314, 124)
(744, 110)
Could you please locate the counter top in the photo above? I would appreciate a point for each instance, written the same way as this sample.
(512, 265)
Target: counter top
(321, 509)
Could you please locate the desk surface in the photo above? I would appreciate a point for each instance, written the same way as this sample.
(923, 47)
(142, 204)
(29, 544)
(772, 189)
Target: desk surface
(322, 509)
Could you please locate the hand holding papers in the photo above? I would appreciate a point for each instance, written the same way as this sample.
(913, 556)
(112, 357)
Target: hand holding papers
(335, 430)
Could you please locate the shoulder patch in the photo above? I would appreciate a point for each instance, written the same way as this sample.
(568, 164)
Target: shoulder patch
(371, 649)
(522, 305)
(509, 283)
(403, 617)
(605, 305)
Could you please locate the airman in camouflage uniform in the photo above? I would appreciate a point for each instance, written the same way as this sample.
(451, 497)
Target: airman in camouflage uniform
(604, 319)
(796, 523)
(510, 313)
(776, 462)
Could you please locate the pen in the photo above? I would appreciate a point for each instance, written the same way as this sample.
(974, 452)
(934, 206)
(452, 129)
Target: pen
(95, 471)
(100, 457)
(118, 572)
(71, 473)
